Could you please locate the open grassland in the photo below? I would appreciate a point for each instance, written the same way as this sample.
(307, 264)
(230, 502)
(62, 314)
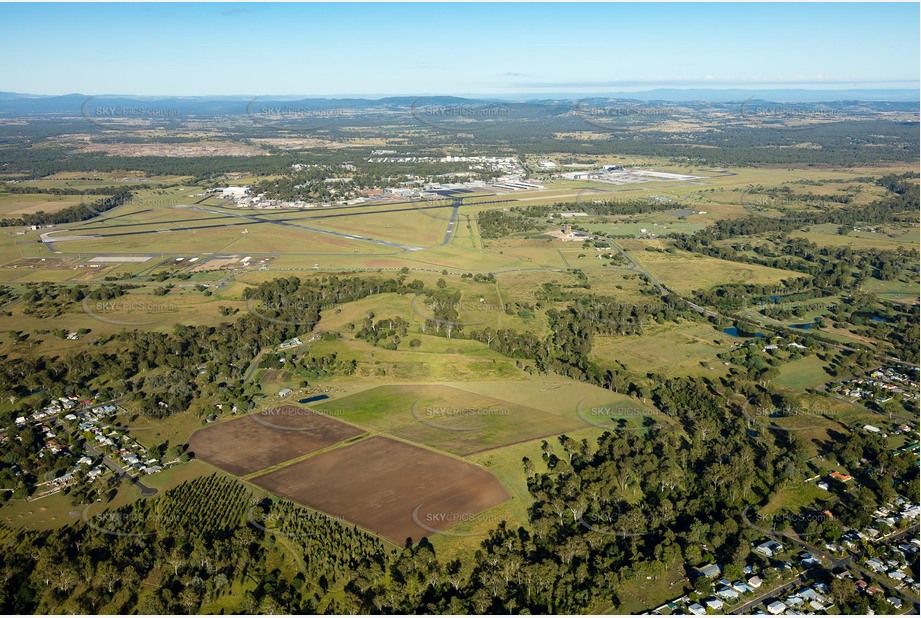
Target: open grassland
(800, 498)
(827, 235)
(523, 286)
(553, 395)
(622, 284)
(460, 422)
(167, 221)
(15, 204)
(436, 360)
(138, 309)
(56, 510)
(175, 429)
(9, 246)
(528, 253)
(480, 307)
(659, 226)
(895, 290)
(406, 226)
(684, 348)
(80, 178)
(803, 373)
(686, 272)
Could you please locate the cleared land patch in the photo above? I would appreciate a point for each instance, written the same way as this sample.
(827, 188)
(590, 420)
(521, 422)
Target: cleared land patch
(14, 204)
(687, 348)
(268, 438)
(685, 272)
(389, 487)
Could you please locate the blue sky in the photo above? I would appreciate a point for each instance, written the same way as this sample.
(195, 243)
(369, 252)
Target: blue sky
(336, 49)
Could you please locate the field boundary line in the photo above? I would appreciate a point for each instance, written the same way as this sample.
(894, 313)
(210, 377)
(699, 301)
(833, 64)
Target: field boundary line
(296, 460)
(563, 257)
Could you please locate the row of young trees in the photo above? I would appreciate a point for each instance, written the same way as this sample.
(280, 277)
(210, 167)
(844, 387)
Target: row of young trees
(200, 545)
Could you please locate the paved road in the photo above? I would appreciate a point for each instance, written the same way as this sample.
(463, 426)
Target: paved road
(823, 388)
(776, 592)
(108, 461)
(120, 472)
(830, 563)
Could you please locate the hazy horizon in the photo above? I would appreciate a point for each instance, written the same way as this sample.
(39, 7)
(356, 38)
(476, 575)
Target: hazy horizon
(813, 95)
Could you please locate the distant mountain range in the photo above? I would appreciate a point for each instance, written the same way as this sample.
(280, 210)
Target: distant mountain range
(733, 95)
(12, 103)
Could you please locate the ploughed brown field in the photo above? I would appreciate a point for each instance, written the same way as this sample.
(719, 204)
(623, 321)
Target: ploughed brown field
(267, 438)
(389, 487)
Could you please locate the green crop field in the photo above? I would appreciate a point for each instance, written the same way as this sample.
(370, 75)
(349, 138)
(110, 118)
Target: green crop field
(457, 421)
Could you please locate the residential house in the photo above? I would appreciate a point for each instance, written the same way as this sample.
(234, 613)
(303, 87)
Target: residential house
(776, 607)
(741, 587)
(769, 549)
(727, 594)
(711, 571)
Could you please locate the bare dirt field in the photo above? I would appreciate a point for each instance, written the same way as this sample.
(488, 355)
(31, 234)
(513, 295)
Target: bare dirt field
(389, 487)
(216, 264)
(268, 438)
(199, 149)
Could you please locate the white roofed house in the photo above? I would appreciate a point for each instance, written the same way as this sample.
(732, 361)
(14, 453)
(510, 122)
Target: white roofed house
(769, 548)
(714, 604)
(807, 593)
(710, 570)
(742, 587)
(727, 594)
(795, 601)
(776, 607)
